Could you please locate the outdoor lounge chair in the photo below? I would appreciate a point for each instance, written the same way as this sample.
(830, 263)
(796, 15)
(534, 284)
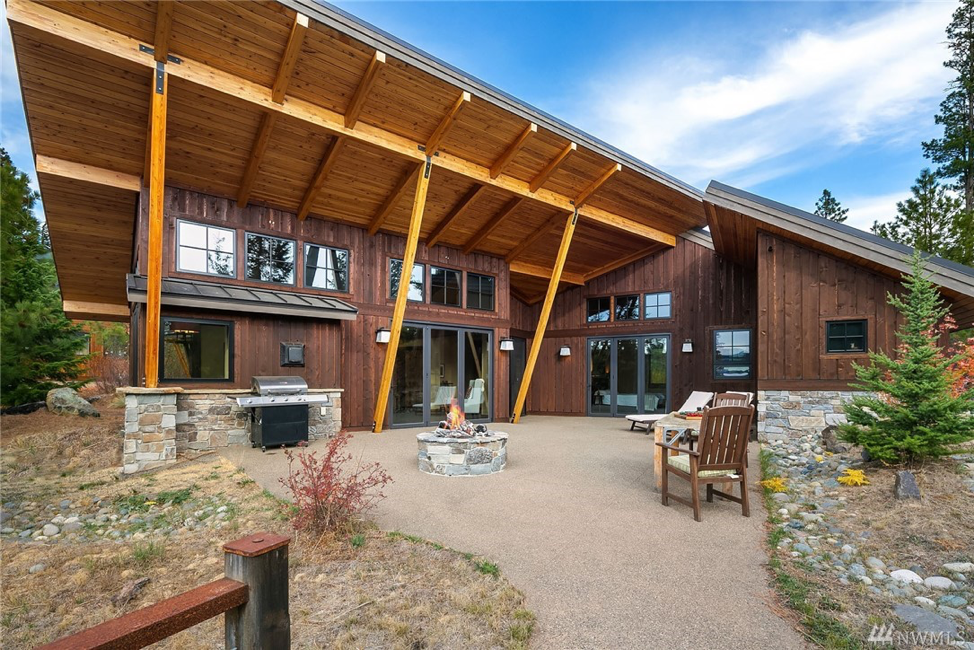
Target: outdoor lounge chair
(697, 400)
(720, 457)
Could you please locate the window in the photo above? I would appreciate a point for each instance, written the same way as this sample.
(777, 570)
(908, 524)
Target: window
(480, 291)
(627, 307)
(325, 267)
(598, 310)
(196, 349)
(204, 249)
(659, 305)
(444, 286)
(270, 259)
(845, 336)
(732, 354)
(415, 292)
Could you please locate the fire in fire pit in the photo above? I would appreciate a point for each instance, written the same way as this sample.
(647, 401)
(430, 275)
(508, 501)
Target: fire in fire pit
(456, 426)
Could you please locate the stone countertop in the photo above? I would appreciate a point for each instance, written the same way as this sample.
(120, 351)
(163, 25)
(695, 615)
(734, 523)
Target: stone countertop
(166, 390)
(432, 437)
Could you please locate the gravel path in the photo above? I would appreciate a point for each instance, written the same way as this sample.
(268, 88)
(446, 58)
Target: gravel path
(575, 523)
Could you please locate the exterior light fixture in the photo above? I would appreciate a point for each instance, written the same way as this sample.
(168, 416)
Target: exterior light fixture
(507, 345)
(382, 335)
(565, 351)
(687, 345)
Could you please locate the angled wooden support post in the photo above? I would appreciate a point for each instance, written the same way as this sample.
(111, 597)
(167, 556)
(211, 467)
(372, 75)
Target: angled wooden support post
(157, 188)
(264, 621)
(408, 258)
(566, 240)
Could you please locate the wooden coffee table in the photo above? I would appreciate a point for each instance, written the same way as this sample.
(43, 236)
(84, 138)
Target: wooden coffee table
(669, 423)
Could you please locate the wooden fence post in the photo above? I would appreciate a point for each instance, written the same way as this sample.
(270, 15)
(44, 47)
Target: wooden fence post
(264, 622)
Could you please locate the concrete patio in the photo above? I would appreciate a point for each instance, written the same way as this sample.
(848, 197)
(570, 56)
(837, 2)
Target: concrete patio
(574, 522)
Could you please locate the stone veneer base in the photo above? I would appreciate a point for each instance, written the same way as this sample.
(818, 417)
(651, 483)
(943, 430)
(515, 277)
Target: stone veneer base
(163, 423)
(791, 414)
(476, 456)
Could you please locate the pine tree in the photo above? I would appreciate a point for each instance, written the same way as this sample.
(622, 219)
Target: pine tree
(829, 207)
(40, 345)
(953, 153)
(913, 412)
(924, 221)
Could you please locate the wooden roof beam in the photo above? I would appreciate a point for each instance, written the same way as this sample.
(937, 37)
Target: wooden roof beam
(591, 189)
(397, 193)
(267, 122)
(501, 163)
(447, 122)
(160, 44)
(53, 24)
(546, 173)
(530, 240)
(87, 173)
(364, 87)
(455, 213)
(538, 271)
(95, 310)
(290, 58)
(327, 163)
(493, 224)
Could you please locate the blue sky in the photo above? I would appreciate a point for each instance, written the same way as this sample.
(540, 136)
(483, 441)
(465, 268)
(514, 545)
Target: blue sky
(783, 99)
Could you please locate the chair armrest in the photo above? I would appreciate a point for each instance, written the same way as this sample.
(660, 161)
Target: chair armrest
(682, 450)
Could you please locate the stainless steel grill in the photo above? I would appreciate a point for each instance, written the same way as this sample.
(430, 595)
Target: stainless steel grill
(284, 390)
(279, 410)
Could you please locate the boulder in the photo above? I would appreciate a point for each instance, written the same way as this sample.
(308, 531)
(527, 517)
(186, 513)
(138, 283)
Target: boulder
(939, 582)
(959, 567)
(925, 621)
(66, 401)
(831, 441)
(905, 486)
(905, 575)
(24, 409)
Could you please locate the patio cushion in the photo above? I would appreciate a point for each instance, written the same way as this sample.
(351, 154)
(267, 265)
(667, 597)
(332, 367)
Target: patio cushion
(646, 417)
(682, 463)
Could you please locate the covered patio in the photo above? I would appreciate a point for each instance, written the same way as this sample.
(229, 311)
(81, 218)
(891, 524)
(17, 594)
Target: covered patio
(574, 522)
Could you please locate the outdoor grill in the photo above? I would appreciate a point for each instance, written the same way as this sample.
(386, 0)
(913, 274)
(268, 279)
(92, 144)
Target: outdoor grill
(279, 410)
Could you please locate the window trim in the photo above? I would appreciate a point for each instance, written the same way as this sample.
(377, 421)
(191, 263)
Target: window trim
(615, 307)
(713, 352)
(304, 267)
(391, 295)
(493, 294)
(646, 305)
(461, 290)
(179, 246)
(611, 309)
(293, 242)
(231, 326)
(847, 354)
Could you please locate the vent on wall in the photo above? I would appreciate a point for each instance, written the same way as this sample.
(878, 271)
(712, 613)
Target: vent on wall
(292, 354)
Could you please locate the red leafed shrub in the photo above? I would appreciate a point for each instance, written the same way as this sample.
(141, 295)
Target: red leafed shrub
(325, 493)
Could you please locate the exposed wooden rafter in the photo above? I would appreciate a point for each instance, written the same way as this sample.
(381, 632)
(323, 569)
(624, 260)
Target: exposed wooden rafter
(546, 173)
(530, 240)
(520, 295)
(267, 122)
(95, 310)
(160, 44)
(447, 122)
(501, 163)
(324, 168)
(455, 213)
(394, 197)
(538, 271)
(591, 189)
(53, 24)
(493, 224)
(89, 174)
(364, 86)
(290, 58)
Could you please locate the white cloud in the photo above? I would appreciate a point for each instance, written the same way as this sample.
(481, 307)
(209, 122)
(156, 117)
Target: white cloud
(865, 210)
(797, 104)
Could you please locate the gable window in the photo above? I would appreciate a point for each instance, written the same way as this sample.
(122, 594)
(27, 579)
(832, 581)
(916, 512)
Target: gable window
(416, 292)
(845, 336)
(444, 286)
(325, 267)
(204, 249)
(480, 291)
(659, 305)
(270, 259)
(599, 310)
(627, 307)
(732, 354)
(196, 349)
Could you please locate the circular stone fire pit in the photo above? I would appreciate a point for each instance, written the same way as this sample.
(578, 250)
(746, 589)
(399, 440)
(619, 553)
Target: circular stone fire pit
(468, 456)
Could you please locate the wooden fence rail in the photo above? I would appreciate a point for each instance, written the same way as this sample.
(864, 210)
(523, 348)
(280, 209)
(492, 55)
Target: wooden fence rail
(253, 595)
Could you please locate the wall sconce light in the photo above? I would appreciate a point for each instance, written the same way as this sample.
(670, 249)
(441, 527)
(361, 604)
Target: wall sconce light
(382, 335)
(507, 345)
(565, 351)
(688, 345)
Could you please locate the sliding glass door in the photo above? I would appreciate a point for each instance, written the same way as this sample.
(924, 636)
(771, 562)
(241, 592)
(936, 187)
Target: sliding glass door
(628, 375)
(438, 366)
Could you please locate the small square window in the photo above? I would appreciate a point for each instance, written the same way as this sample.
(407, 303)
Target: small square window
(658, 305)
(270, 259)
(599, 310)
(204, 249)
(416, 291)
(444, 286)
(845, 336)
(196, 349)
(480, 291)
(627, 307)
(325, 267)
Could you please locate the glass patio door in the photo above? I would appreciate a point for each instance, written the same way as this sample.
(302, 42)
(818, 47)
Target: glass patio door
(628, 375)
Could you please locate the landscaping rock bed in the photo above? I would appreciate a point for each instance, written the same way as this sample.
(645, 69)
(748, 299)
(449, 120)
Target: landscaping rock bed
(905, 557)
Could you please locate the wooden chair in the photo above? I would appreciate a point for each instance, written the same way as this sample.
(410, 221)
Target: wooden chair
(721, 457)
(732, 399)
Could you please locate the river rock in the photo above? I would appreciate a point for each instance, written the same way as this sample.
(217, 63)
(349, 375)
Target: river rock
(939, 582)
(37, 568)
(831, 441)
(905, 575)
(875, 563)
(925, 603)
(959, 567)
(50, 530)
(925, 621)
(66, 401)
